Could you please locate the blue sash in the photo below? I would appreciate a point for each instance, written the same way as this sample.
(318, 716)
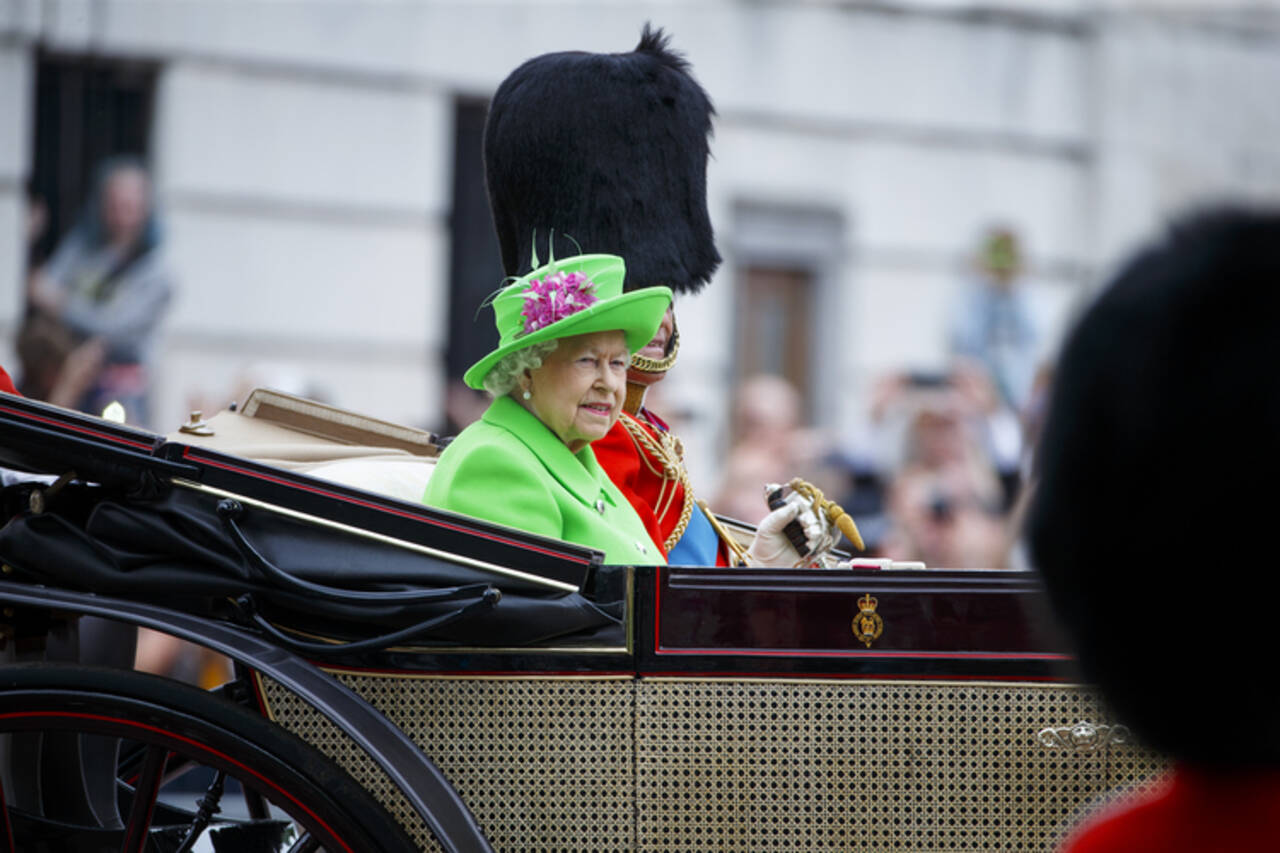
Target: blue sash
(699, 544)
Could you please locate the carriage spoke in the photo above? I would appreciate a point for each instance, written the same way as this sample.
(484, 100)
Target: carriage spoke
(256, 804)
(205, 810)
(6, 829)
(305, 844)
(145, 793)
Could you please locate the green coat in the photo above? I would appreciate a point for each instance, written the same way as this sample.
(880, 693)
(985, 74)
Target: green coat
(509, 468)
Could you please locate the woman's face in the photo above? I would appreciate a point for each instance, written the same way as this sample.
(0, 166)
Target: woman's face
(126, 201)
(579, 389)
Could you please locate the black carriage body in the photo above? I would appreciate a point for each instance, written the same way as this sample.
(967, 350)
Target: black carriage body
(721, 709)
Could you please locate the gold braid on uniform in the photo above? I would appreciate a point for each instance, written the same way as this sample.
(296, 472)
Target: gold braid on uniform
(832, 510)
(739, 553)
(669, 451)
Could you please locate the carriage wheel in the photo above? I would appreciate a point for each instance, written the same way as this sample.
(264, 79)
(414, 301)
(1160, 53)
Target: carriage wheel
(91, 758)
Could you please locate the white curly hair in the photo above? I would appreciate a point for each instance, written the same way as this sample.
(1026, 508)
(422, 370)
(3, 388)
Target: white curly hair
(505, 375)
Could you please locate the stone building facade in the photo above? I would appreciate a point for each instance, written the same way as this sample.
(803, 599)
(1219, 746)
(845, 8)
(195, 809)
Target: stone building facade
(304, 156)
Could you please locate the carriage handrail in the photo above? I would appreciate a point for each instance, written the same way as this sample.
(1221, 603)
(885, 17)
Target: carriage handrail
(459, 559)
(230, 509)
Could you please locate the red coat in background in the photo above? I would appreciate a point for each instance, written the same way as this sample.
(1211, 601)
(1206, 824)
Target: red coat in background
(6, 384)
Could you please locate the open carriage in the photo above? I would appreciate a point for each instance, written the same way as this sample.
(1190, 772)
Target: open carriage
(411, 679)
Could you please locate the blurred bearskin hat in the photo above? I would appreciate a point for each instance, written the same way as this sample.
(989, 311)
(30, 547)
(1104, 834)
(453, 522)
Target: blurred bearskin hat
(608, 152)
(1149, 518)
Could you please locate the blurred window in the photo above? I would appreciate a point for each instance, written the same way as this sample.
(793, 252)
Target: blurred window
(88, 108)
(774, 326)
(475, 264)
(787, 300)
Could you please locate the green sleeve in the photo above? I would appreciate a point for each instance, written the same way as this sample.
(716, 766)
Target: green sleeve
(497, 484)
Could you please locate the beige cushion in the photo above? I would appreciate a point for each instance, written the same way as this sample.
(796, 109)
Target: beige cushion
(404, 477)
(321, 441)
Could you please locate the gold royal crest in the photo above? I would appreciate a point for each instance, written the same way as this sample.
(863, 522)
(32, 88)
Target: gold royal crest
(867, 625)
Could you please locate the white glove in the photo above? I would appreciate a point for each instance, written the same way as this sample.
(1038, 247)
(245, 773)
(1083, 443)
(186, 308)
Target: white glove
(771, 547)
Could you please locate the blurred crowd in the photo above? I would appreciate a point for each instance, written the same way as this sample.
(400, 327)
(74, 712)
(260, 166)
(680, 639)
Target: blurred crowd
(935, 478)
(937, 475)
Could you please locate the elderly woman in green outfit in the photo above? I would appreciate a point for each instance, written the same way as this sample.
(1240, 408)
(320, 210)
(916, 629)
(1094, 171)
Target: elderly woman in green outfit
(558, 378)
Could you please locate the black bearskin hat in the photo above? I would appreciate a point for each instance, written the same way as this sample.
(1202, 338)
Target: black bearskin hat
(1151, 521)
(608, 151)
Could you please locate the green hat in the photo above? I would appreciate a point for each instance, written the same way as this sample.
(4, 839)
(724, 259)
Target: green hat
(578, 295)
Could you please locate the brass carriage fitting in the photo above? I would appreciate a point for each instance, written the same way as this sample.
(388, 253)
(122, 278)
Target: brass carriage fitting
(38, 500)
(196, 424)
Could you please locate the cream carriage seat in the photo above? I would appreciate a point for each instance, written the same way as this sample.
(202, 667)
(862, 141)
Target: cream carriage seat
(321, 441)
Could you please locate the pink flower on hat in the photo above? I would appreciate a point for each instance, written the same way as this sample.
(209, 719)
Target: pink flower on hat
(558, 295)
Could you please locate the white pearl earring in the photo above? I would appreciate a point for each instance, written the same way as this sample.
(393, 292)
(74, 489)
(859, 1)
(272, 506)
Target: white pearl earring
(527, 395)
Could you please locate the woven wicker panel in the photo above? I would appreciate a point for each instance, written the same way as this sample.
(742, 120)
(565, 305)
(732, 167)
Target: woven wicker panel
(300, 718)
(544, 763)
(853, 766)
(676, 765)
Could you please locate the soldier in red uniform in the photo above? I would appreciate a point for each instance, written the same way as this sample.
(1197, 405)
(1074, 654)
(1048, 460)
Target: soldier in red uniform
(1150, 527)
(588, 152)
(646, 460)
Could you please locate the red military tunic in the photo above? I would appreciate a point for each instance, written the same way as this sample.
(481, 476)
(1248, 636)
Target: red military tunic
(645, 461)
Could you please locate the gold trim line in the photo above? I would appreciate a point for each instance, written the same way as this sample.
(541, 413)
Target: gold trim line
(262, 697)
(472, 650)
(872, 682)
(378, 537)
(462, 676)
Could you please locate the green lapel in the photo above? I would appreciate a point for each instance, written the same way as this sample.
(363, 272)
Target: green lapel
(580, 473)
